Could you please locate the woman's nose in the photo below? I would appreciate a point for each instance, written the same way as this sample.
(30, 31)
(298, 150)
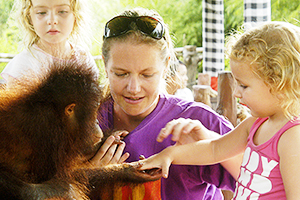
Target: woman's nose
(134, 86)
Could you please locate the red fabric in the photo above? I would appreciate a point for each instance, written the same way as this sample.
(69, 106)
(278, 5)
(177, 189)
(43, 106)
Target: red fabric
(214, 83)
(146, 191)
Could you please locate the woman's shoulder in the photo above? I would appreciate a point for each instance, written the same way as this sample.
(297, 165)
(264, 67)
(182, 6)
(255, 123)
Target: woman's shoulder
(172, 107)
(185, 107)
(183, 103)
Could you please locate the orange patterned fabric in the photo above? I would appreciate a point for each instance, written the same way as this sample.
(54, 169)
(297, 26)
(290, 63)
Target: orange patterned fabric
(146, 191)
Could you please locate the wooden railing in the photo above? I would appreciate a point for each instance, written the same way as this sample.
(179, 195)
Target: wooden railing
(6, 57)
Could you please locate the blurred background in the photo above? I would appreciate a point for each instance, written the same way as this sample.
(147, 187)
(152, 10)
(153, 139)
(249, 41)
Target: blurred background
(184, 18)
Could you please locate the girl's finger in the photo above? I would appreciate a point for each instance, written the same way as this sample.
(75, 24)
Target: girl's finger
(167, 130)
(163, 134)
(165, 171)
(178, 128)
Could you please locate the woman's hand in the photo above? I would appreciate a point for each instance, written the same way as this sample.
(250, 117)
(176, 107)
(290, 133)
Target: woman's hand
(185, 131)
(111, 151)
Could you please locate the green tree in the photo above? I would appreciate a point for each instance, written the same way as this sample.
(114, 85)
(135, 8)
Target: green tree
(5, 7)
(286, 10)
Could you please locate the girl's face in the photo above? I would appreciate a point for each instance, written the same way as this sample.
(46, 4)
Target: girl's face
(53, 20)
(135, 74)
(252, 91)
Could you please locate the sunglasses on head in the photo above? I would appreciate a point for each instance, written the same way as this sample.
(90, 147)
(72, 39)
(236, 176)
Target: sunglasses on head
(120, 25)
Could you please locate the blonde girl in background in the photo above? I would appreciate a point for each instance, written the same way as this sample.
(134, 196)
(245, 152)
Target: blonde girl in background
(183, 92)
(57, 30)
(177, 81)
(51, 30)
(265, 62)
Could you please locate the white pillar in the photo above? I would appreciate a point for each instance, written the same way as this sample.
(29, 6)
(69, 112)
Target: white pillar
(256, 12)
(213, 36)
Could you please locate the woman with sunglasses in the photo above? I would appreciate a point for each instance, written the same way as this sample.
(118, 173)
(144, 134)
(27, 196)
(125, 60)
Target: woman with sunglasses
(137, 49)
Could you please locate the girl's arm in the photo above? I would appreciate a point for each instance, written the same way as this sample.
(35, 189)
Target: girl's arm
(203, 152)
(289, 153)
(185, 131)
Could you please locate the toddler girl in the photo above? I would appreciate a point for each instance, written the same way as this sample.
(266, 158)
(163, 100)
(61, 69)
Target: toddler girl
(265, 62)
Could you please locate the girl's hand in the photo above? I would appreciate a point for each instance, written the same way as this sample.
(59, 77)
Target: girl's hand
(185, 131)
(111, 151)
(162, 160)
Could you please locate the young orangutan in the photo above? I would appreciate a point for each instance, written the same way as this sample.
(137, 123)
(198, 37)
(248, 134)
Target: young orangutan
(49, 131)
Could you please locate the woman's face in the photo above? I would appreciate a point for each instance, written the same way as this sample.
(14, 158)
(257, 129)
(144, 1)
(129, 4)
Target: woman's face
(135, 73)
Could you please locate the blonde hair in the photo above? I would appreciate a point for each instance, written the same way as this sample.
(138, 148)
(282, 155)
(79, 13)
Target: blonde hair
(81, 31)
(273, 50)
(165, 44)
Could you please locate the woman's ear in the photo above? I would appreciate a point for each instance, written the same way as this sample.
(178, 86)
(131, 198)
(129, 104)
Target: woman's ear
(69, 110)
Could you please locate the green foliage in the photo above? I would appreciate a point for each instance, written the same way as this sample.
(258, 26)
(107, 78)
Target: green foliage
(2, 66)
(8, 36)
(186, 23)
(5, 7)
(233, 15)
(286, 10)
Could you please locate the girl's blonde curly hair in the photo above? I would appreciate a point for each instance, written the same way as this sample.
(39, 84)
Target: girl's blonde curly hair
(273, 51)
